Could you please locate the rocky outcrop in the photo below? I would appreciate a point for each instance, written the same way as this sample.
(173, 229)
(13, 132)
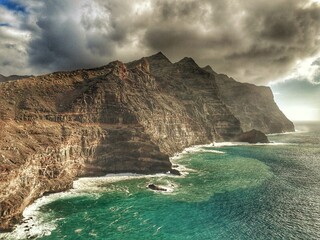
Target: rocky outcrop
(154, 187)
(253, 105)
(253, 136)
(115, 118)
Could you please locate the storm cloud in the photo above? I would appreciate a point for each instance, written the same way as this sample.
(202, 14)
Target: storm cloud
(251, 40)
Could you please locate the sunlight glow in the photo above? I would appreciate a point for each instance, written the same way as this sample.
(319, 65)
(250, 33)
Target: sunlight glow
(142, 7)
(310, 2)
(301, 113)
(305, 69)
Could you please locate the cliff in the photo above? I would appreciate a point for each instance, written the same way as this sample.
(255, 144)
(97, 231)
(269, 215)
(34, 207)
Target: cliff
(253, 105)
(116, 118)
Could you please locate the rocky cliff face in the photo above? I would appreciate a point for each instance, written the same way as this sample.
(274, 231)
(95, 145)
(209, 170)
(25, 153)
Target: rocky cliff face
(116, 118)
(253, 105)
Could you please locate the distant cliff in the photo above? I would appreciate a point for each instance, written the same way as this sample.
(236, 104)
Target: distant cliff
(115, 118)
(11, 78)
(253, 105)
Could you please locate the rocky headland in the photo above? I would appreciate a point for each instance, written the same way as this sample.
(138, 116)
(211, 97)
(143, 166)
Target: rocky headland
(253, 105)
(117, 118)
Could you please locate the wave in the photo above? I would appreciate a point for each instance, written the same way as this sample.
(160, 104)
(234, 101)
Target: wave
(208, 148)
(287, 133)
(231, 144)
(93, 184)
(195, 149)
(34, 222)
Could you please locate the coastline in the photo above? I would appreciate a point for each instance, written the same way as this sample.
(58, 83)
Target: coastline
(32, 224)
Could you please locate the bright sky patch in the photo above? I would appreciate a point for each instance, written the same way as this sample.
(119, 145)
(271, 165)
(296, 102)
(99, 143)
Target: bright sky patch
(12, 5)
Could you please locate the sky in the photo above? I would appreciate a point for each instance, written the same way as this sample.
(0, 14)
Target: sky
(274, 42)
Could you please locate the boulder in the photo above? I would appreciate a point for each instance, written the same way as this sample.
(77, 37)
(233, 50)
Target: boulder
(253, 136)
(175, 172)
(156, 188)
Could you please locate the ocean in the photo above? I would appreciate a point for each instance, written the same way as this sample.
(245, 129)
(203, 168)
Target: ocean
(227, 191)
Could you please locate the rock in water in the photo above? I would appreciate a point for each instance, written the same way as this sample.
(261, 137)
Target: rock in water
(253, 136)
(175, 172)
(156, 188)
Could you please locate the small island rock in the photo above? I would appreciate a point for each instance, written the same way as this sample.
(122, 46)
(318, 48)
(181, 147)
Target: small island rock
(253, 136)
(156, 188)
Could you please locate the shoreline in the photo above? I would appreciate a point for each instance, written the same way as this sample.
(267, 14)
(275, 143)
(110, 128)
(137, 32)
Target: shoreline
(32, 224)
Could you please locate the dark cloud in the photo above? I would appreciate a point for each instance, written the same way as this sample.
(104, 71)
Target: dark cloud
(91, 33)
(61, 42)
(251, 40)
(254, 41)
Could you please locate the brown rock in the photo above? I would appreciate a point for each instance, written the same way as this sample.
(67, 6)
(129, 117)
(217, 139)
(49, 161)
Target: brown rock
(253, 136)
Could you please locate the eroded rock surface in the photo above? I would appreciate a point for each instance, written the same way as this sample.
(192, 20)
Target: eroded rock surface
(115, 118)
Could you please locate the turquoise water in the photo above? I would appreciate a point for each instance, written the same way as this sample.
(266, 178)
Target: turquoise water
(248, 192)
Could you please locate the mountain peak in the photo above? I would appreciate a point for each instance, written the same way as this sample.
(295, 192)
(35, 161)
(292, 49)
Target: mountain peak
(189, 62)
(159, 56)
(209, 69)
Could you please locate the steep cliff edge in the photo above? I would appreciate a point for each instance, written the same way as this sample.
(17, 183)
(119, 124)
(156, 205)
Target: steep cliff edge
(190, 105)
(253, 105)
(115, 118)
(64, 125)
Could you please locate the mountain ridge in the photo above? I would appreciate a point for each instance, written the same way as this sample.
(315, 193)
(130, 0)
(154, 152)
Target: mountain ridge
(12, 77)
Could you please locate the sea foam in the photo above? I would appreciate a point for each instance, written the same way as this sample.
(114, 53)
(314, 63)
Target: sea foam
(231, 144)
(195, 149)
(34, 222)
